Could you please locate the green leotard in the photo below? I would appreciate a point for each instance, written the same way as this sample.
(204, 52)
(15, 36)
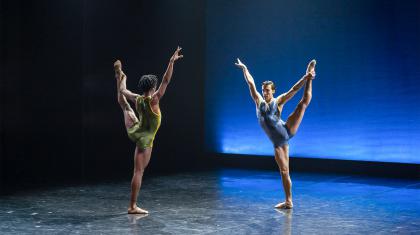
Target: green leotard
(144, 131)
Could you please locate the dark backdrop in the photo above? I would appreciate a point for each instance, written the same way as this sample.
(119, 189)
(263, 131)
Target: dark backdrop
(60, 120)
(59, 117)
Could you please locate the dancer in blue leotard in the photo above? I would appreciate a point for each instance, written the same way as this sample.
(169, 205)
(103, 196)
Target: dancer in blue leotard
(269, 116)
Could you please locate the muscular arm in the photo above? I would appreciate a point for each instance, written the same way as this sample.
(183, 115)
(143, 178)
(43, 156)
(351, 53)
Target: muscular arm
(283, 98)
(251, 84)
(123, 89)
(165, 81)
(310, 74)
(250, 81)
(168, 75)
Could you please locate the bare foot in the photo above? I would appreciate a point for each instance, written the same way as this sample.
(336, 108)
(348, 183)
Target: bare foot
(284, 205)
(117, 65)
(137, 210)
(119, 74)
(311, 66)
(310, 70)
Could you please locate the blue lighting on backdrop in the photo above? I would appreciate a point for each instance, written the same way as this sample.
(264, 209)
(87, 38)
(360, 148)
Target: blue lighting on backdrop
(366, 94)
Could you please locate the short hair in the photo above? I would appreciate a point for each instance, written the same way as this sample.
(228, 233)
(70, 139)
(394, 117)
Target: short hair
(266, 83)
(147, 82)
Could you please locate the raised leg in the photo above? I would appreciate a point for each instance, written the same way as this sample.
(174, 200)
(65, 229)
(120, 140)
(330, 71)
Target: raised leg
(295, 118)
(130, 117)
(281, 154)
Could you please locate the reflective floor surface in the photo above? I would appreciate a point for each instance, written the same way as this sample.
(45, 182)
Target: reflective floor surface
(220, 202)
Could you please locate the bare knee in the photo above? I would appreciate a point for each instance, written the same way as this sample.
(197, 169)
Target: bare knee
(286, 176)
(284, 172)
(139, 171)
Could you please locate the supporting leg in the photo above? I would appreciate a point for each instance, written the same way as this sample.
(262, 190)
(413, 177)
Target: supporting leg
(281, 154)
(141, 160)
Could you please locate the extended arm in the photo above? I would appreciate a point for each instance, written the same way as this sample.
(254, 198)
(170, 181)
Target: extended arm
(123, 89)
(310, 74)
(250, 81)
(283, 98)
(168, 74)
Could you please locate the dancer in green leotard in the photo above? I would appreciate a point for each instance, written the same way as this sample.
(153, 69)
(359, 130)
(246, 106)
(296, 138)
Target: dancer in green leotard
(142, 129)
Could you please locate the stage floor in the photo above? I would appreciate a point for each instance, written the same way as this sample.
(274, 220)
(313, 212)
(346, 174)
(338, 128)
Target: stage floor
(220, 202)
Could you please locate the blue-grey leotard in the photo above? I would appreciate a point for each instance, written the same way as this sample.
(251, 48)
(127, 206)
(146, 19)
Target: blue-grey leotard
(269, 118)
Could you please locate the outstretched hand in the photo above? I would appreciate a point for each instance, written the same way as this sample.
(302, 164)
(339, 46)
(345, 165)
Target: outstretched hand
(240, 64)
(176, 54)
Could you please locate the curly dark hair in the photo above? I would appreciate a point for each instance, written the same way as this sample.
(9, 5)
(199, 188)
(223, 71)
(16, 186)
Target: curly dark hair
(147, 82)
(266, 83)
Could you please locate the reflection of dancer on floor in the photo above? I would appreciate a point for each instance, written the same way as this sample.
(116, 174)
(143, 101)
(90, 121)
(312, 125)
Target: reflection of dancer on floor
(142, 130)
(269, 116)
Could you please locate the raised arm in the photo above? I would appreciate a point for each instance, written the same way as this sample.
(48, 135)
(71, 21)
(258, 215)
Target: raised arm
(250, 81)
(168, 75)
(310, 74)
(123, 89)
(283, 98)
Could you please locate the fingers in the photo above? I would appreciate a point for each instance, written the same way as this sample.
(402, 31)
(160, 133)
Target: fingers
(239, 63)
(240, 66)
(176, 54)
